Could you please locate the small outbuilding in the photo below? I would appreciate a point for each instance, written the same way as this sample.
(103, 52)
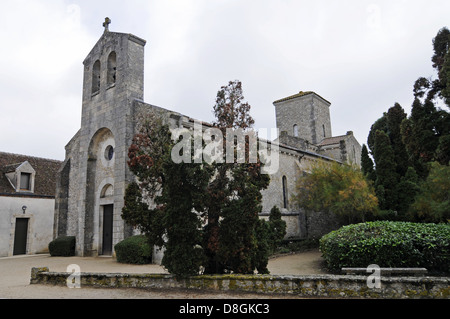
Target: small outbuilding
(27, 203)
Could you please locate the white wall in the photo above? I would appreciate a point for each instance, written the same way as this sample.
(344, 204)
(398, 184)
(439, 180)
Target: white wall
(40, 212)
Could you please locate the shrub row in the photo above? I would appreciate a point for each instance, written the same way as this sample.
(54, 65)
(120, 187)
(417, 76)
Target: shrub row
(134, 250)
(388, 244)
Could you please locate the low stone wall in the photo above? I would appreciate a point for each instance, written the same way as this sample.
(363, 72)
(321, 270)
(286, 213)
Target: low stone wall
(316, 286)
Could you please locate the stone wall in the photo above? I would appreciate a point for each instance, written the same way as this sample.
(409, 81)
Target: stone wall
(317, 286)
(320, 223)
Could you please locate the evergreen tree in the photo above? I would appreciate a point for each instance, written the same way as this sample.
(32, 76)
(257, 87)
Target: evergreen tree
(397, 161)
(432, 203)
(421, 133)
(427, 123)
(205, 215)
(367, 164)
(394, 117)
(407, 190)
(277, 228)
(386, 175)
(378, 125)
(176, 190)
(402, 147)
(234, 195)
(428, 88)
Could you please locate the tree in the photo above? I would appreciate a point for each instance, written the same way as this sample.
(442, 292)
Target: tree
(407, 191)
(367, 164)
(269, 235)
(386, 175)
(175, 189)
(427, 122)
(138, 214)
(428, 88)
(337, 188)
(233, 197)
(395, 116)
(378, 125)
(432, 203)
(402, 147)
(206, 215)
(421, 133)
(277, 228)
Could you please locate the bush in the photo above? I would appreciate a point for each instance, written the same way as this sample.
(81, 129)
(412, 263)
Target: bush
(134, 250)
(62, 246)
(388, 244)
(340, 189)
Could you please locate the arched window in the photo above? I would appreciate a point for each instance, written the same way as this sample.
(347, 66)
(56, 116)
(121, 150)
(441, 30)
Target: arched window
(112, 68)
(285, 192)
(295, 130)
(96, 77)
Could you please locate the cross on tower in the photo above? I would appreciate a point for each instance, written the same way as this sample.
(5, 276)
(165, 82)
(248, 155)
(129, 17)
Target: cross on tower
(106, 24)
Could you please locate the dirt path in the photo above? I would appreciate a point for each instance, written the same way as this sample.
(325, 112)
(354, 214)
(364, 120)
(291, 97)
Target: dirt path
(305, 263)
(15, 278)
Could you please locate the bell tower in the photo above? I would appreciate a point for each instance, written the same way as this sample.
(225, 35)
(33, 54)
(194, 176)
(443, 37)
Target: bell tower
(113, 79)
(304, 116)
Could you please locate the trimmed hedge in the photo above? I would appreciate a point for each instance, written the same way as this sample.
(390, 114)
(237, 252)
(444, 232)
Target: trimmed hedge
(62, 246)
(388, 244)
(134, 250)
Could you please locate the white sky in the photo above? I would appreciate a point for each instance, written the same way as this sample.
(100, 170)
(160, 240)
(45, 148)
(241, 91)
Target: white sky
(362, 56)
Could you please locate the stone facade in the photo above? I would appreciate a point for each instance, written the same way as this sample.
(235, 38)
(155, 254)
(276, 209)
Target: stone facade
(94, 175)
(305, 115)
(344, 148)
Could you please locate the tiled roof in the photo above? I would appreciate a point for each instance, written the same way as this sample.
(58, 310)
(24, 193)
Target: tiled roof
(332, 140)
(299, 94)
(46, 173)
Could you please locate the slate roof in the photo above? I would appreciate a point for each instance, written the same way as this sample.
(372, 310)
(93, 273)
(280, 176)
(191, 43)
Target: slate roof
(46, 173)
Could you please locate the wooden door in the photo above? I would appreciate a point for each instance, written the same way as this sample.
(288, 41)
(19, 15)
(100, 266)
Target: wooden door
(20, 236)
(107, 229)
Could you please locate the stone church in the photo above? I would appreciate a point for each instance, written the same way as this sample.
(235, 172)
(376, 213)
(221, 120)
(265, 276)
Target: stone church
(94, 175)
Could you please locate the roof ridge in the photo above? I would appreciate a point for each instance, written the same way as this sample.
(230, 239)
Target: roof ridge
(300, 94)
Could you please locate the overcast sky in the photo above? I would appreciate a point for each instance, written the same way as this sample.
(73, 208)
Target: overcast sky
(362, 56)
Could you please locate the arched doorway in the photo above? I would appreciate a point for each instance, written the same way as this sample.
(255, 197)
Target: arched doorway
(99, 204)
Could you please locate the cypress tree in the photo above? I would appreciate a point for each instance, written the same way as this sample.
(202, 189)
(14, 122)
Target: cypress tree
(386, 175)
(233, 197)
(367, 164)
(394, 117)
(407, 191)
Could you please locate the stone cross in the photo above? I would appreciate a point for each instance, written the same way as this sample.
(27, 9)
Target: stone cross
(106, 24)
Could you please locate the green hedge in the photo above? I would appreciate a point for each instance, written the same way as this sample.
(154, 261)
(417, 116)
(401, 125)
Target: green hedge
(388, 244)
(62, 246)
(134, 250)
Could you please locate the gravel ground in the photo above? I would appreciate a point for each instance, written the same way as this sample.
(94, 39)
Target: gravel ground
(15, 278)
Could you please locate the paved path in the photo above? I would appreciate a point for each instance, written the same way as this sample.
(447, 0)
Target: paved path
(15, 277)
